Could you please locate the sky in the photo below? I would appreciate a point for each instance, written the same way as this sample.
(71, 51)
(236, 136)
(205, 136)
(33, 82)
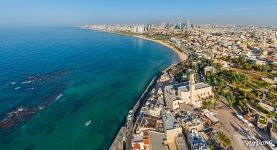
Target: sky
(80, 12)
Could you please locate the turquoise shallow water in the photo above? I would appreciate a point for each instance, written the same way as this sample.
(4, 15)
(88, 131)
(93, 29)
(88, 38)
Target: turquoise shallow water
(79, 76)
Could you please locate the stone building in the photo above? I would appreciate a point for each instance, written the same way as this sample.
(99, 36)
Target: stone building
(188, 92)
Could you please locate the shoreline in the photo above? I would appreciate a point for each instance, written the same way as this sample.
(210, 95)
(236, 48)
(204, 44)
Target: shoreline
(181, 56)
(123, 136)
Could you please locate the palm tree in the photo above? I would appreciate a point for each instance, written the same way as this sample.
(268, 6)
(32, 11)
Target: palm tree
(219, 136)
(211, 147)
(231, 99)
(227, 142)
(223, 139)
(214, 80)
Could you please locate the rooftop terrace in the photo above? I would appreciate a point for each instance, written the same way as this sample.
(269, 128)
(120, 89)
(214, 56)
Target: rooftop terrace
(169, 121)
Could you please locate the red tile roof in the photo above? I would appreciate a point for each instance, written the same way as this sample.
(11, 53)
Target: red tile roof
(146, 142)
(136, 146)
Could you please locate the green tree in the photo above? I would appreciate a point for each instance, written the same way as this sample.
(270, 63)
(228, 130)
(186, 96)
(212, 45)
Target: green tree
(272, 114)
(227, 142)
(223, 139)
(211, 147)
(231, 99)
(207, 104)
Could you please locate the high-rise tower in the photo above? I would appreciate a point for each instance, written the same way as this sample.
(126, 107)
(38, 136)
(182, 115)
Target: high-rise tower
(188, 25)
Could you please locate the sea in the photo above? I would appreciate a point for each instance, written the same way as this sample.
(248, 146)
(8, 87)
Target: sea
(65, 88)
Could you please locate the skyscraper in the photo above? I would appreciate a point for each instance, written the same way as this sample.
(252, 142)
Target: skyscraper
(188, 25)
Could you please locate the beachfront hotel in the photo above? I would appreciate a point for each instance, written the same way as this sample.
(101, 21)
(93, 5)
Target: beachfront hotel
(187, 93)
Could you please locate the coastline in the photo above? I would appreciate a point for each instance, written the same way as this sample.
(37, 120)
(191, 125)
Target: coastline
(181, 56)
(124, 134)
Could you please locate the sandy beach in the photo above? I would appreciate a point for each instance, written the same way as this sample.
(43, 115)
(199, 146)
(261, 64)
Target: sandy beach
(181, 56)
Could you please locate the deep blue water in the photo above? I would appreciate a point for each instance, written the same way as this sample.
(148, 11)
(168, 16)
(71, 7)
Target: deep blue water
(76, 75)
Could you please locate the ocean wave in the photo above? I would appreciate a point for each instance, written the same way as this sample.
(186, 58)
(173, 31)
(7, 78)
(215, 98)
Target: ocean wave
(12, 83)
(17, 88)
(58, 97)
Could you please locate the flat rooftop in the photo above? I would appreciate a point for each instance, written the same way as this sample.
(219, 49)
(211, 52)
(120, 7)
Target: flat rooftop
(181, 143)
(184, 88)
(210, 116)
(201, 85)
(149, 122)
(169, 121)
(156, 140)
(169, 95)
(196, 138)
(186, 107)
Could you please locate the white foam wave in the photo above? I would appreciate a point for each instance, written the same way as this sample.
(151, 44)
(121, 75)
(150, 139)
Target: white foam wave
(58, 97)
(17, 88)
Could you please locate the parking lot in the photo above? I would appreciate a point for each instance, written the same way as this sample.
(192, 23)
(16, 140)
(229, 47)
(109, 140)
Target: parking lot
(234, 128)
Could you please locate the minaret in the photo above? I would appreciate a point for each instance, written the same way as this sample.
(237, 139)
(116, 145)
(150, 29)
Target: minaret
(191, 87)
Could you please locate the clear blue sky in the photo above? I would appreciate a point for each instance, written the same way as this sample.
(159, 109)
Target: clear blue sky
(78, 12)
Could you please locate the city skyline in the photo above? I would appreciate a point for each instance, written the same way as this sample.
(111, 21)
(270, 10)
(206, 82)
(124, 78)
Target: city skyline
(75, 13)
(138, 75)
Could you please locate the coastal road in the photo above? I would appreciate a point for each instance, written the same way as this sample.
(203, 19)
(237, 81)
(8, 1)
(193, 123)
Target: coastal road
(129, 134)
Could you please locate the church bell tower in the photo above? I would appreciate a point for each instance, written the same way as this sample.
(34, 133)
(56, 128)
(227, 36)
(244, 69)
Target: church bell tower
(191, 87)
